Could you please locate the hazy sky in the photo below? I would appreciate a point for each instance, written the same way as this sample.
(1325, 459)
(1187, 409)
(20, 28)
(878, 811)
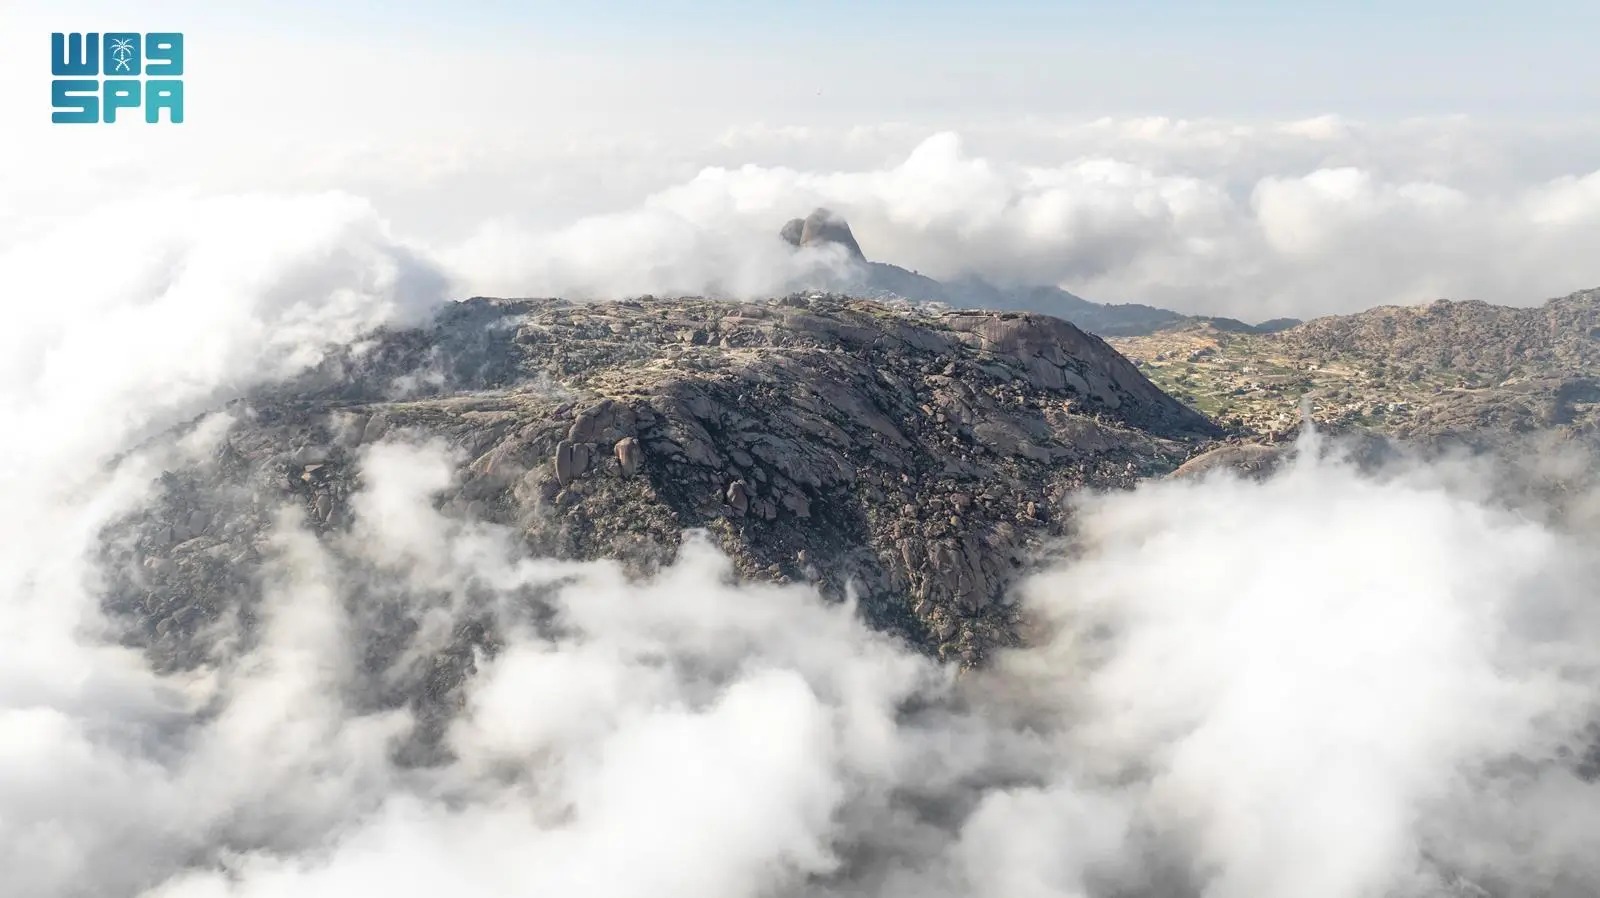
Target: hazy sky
(921, 61)
(1227, 157)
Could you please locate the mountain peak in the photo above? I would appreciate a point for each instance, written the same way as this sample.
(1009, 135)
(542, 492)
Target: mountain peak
(821, 226)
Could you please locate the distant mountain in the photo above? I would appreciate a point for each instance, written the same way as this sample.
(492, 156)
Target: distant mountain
(1482, 341)
(878, 279)
(1459, 370)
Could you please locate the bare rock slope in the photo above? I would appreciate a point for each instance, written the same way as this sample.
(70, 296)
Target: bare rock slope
(914, 459)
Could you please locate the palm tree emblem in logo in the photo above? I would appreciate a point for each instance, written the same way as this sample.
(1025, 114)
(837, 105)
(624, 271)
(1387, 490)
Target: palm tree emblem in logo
(122, 54)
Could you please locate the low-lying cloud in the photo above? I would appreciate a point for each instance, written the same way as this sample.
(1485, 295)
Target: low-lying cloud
(1297, 242)
(1330, 683)
(1333, 682)
(1254, 219)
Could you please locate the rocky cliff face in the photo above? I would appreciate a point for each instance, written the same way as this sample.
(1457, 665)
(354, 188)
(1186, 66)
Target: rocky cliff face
(914, 460)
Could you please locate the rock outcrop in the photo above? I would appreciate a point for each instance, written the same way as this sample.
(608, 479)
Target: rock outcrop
(821, 227)
(914, 460)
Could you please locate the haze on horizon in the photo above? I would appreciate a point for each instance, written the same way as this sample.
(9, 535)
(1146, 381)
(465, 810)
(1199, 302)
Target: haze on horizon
(1230, 159)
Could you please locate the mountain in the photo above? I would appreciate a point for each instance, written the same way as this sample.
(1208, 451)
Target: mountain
(910, 456)
(1465, 371)
(821, 227)
(862, 276)
(1477, 339)
(916, 459)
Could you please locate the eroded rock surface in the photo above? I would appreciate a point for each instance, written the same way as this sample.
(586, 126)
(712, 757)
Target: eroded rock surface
(916, 460)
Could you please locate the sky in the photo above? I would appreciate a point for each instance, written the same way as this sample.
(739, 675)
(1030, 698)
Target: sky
(1222, 158)
(1237, 59)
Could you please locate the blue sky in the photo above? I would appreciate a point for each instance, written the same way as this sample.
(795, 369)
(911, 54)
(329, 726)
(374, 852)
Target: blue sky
(998, 17)
(1427, 27)
(1238, 58)
(939, 60)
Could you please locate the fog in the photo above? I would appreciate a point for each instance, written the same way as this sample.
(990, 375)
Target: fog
(1338, 681)
(1244, 217)
(1157, 231)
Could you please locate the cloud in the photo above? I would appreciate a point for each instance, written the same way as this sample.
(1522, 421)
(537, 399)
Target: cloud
(1332, 682)
(1315, 674)
(1164, 213)
(661, 250)
(1297, 686)
(1249, 218)
(125, 325)
(187, 300)
(1335, 681)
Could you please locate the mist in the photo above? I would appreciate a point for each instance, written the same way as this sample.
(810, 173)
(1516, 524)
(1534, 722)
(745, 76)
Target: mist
(1247, 217)
(1341, 680)
(1106, 227)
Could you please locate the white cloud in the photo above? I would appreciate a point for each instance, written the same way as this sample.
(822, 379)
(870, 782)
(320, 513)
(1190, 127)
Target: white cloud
(1330, 683)
(188, 299)
(1301, 243)
(1248, 218)
(1313, 674)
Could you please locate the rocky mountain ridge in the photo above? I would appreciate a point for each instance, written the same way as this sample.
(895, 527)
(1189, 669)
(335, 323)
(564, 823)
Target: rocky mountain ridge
(1447, 373)
(1485, 342)
(914, 460)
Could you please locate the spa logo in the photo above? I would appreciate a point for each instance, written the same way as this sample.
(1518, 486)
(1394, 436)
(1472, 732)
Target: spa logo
(140, 71)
